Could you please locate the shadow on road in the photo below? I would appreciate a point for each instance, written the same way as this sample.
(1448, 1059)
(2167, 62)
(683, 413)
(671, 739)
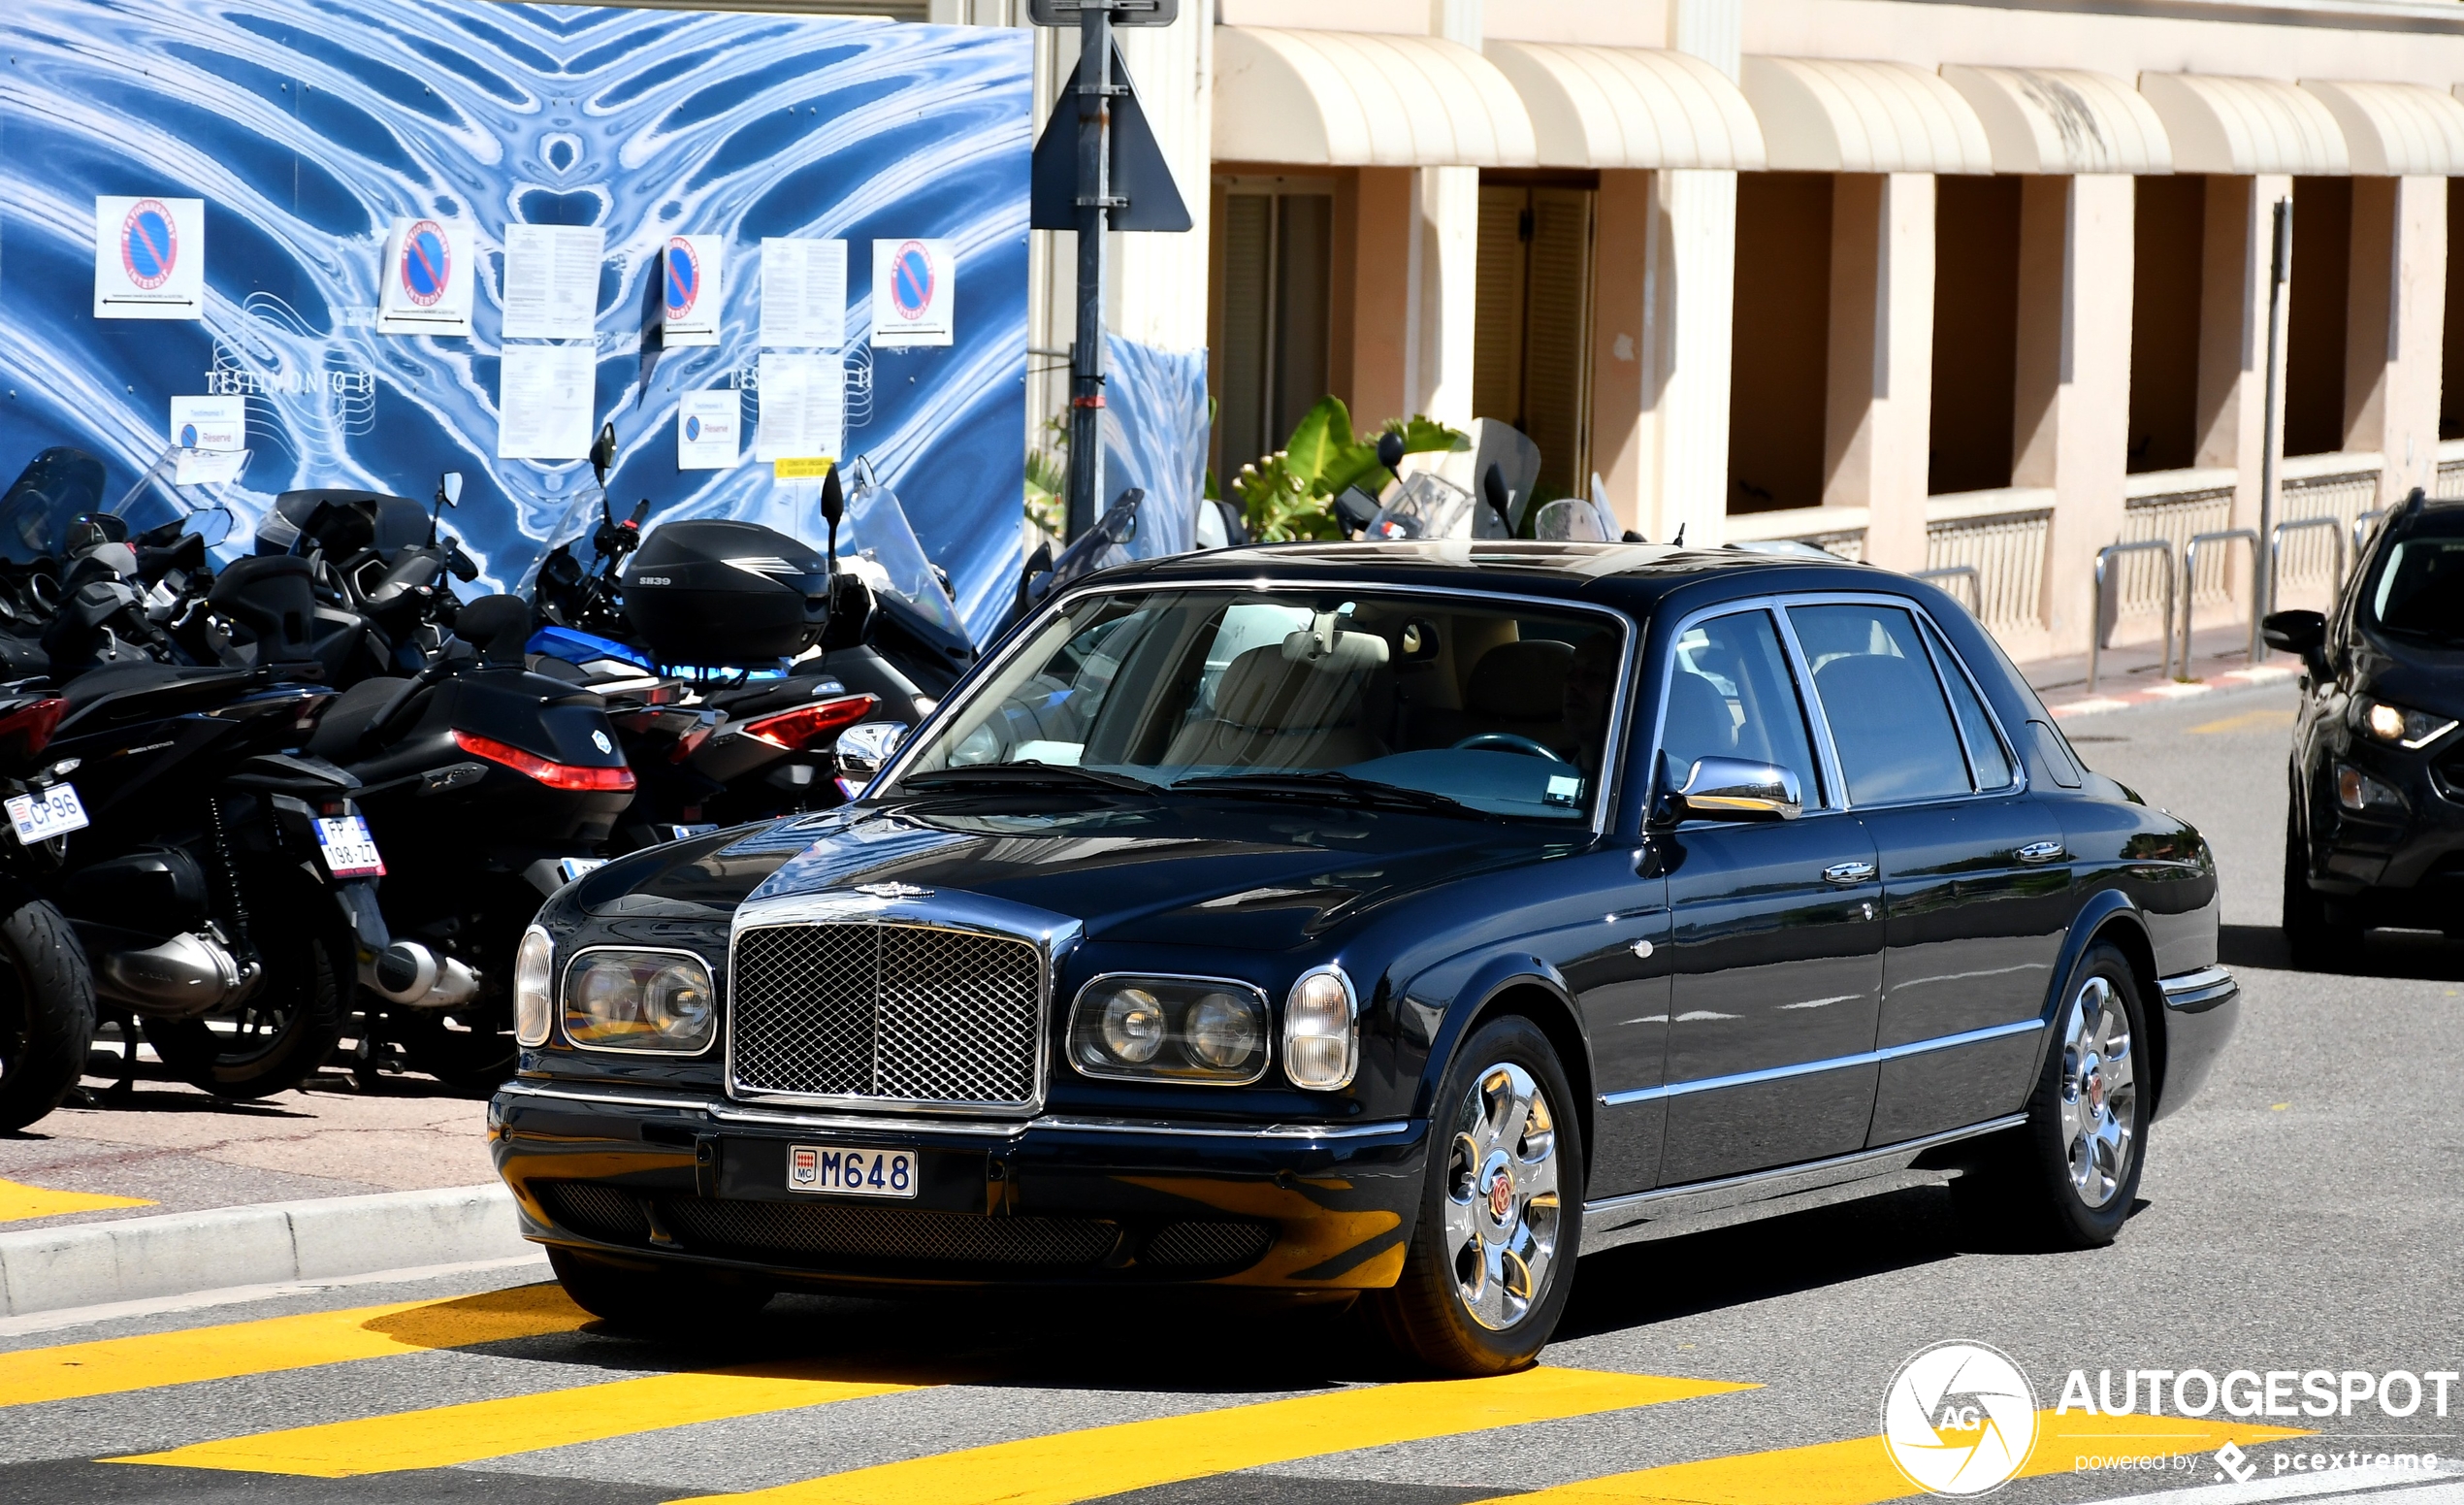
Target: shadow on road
(2424, 955)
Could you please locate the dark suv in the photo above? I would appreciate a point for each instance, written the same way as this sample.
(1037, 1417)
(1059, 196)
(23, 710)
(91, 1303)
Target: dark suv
(2376, 832)
(1387, 922)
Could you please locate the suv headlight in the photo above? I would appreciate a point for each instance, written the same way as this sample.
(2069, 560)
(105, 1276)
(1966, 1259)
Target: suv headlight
(534, 1010)
(1321, 1031)
(1206, 1029)
(660, 1002)
(2410, 730)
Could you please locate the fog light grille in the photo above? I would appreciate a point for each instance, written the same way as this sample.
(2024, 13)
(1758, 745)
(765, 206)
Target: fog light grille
(605, 1213)
(1192, 1245)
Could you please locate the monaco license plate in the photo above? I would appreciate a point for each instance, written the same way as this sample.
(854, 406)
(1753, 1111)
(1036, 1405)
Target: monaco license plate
(350, 852)
(46, 813)
(829, 1167)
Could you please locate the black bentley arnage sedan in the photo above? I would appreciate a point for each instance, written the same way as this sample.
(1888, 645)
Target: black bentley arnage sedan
(1385, 922)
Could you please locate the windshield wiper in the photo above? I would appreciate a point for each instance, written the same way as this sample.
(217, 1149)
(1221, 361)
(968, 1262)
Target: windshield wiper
(1331, 784)
(1026, 773)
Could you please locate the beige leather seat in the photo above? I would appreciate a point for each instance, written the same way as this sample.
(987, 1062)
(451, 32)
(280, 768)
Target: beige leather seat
(1273, 712)
(1520, 688)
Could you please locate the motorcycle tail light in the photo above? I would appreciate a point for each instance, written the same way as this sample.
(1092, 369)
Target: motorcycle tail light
(549, 771)
(810, 728)
(27, 729)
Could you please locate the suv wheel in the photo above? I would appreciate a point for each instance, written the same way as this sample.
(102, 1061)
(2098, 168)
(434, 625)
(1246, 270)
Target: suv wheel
(1485, 1278)
(2067, 1177)
(2319, 941)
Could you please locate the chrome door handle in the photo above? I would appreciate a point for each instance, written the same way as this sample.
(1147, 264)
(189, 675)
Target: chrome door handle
(1850, 872)
(2041, 852)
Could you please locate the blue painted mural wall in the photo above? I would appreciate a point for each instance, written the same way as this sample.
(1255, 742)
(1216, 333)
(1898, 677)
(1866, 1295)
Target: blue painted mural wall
(306, 126)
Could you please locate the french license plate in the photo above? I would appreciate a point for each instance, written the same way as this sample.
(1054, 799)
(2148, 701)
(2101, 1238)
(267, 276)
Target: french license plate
(46, 813)
(826, 1167)
(350, 852)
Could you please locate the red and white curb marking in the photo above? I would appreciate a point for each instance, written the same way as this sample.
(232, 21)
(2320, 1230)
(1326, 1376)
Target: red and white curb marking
(2175, 690)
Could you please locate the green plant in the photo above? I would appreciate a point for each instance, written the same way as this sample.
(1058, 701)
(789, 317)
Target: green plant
(1047, 480)
(1288, 494)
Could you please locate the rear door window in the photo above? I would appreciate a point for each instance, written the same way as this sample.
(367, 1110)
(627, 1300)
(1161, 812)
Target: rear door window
(1986, 756)
(1879, 693)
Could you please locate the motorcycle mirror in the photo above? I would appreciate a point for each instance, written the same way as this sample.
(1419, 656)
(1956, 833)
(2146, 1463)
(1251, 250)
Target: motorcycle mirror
(603, 453)
(1390, 449)
(833, 508)
(1493, 492)
(449, 488)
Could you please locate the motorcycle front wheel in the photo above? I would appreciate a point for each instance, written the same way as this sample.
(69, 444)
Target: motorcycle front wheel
(46, 1012)
(278, 1036)
(472, 1050)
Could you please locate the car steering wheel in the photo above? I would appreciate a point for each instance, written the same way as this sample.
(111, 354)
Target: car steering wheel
(1508, 741)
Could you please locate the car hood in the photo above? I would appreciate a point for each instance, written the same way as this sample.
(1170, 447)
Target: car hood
(1250, 875)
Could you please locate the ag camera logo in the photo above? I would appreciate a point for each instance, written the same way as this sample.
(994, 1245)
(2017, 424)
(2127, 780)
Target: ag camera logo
(1959, 1418)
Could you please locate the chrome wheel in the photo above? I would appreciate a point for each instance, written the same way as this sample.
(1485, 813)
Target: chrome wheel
(1502, 1211)
(2099, 1093)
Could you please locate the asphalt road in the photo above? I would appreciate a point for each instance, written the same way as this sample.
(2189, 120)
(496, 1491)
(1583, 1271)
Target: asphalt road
(2303, 1215)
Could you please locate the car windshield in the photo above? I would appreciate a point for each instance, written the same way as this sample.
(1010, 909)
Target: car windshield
(1497, 710)
(2419, 591)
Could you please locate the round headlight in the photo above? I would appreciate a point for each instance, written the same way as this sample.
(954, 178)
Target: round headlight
(678, 1000)
(533, 1007)
(1133, 1024)
(1321, 1039)
(2386, 723)
(1222, 1030)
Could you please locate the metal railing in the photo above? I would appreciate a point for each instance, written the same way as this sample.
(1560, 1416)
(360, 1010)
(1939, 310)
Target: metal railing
(2361, 530)
(2105, 578)
(2190, 575)
(2276, 549)
(1968, 572)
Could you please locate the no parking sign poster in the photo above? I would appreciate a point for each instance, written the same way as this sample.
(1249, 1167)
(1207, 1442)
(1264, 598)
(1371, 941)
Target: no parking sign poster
(150, 258)
(914, 284)
(424, 283)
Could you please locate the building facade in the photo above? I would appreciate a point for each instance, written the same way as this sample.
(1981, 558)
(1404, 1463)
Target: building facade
(1973, 289)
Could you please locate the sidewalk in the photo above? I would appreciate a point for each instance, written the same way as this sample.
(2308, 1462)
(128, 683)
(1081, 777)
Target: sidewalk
(2134, 674)
(171, 1148)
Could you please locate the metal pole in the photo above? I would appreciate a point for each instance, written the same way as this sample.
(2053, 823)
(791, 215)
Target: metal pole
(2272, 425)
(1095, 88)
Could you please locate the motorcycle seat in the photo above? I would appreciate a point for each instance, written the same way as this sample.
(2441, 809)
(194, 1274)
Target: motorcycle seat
(99, 684)
(338, 729)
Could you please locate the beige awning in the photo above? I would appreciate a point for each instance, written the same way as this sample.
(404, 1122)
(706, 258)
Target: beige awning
(1629, 106)
(2062, 120)
(1828, 116)
(2241, 126)
(1354, 99)
(2395, 130)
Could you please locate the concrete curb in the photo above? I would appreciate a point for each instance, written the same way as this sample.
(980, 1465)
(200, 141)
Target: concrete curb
(132, 1259)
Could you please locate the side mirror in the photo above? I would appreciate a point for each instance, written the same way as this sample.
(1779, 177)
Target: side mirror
(603, 453)
(1390, 450)
(1733, 788)
(833, 499)
(2302, 632)
(863, 749)
(449, 488)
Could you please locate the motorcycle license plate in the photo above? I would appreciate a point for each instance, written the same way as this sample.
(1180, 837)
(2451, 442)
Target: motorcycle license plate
(828, 1167)
(350, 852)
(46, 813)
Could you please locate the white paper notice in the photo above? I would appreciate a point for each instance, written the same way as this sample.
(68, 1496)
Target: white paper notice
(803, 294)
(425, 286)
(210, 422)
(803, 406)
(209, 467)
(709, 427)
(551, 280)
(693, 270)
(543, 402)
(150, 258)
(915, 286)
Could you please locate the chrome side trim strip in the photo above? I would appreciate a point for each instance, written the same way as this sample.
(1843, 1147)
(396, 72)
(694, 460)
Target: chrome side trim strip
(2190, 993)
(1306, 1133)
(1625, 1220)
(1867, 1058)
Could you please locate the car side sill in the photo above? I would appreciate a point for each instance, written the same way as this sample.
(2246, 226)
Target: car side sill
(1668, 1211)
(2196, 993)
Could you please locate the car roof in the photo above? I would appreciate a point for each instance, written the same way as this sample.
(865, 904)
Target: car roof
(1632, 575)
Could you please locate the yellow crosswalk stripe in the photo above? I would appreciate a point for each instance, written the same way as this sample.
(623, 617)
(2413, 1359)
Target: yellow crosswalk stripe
(19, 1201)
(447, 1435)
(1083, 1465)
(1860, 1472)
(111, 1365)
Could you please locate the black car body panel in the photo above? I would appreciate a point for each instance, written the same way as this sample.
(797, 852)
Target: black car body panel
(1732, 1014)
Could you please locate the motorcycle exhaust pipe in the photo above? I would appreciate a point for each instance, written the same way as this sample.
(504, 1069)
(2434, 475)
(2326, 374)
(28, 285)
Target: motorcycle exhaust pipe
(182, 977)
(410, 973)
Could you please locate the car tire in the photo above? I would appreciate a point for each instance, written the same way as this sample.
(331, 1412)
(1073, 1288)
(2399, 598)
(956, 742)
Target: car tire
(46, 1012)
(2067, 1177)
(656, 1297)
(2319, 941)
(1480, 1294)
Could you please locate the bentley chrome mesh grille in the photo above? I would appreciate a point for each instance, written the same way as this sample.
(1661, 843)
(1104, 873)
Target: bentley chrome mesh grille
(887, 1011)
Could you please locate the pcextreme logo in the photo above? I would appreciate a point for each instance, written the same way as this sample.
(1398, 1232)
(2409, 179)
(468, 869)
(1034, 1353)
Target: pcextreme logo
(1959, 1418)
